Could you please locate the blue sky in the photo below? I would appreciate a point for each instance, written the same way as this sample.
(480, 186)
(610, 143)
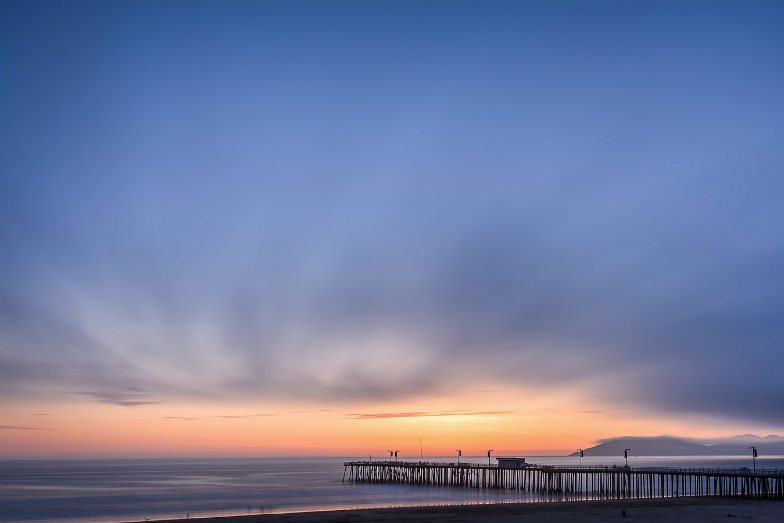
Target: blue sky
(240, 200)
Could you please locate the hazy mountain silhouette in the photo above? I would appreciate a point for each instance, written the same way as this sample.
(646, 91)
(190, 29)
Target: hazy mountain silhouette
(673, 446)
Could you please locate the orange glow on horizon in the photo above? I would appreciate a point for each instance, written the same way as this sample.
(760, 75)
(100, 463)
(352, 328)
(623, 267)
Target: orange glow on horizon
(473, 422)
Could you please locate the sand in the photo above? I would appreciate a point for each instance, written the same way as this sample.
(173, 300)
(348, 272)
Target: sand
(692, 510)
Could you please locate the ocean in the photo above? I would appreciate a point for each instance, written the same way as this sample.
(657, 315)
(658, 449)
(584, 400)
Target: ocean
(115, 490)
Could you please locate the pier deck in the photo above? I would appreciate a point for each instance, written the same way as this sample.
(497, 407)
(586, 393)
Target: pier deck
(582, 482)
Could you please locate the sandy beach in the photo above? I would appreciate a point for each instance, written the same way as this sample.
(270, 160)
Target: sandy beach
(692, 510)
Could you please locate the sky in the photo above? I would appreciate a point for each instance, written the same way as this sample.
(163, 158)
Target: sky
(335, 228)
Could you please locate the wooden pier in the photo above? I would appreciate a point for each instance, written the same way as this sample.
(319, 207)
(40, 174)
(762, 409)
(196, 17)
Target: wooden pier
(590, 482)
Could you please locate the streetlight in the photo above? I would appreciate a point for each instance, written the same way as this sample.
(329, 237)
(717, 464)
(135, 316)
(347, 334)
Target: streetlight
(626, 456)
(581, 457)
(754, 457)
(459, 453)
(488, 457)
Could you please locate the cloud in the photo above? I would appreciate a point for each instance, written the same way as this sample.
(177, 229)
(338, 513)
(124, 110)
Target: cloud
(121, 399)
(242, 416)
(19, 427)
(386, 415)
(181, 418)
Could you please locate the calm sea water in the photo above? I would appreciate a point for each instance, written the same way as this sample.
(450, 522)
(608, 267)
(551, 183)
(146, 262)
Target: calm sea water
(129, 489)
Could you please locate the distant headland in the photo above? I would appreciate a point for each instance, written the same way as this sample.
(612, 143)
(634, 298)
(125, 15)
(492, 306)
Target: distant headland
(675, 446)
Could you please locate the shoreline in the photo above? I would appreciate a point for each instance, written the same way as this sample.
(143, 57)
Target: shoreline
(688, 510)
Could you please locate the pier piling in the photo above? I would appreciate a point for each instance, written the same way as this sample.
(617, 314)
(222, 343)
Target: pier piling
(588, 482)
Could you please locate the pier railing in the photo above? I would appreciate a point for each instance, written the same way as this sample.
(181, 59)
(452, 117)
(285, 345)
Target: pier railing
(577, 481)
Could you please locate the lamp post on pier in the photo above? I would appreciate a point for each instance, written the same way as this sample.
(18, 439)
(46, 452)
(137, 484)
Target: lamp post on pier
(581, 456)
(488, 457)
(754, 457)
(459, 453)
(626, 456)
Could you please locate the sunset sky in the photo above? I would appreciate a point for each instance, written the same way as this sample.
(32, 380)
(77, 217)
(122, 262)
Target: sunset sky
(334, 228)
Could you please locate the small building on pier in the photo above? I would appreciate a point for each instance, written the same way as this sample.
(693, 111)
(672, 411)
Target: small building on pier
(511, 463)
